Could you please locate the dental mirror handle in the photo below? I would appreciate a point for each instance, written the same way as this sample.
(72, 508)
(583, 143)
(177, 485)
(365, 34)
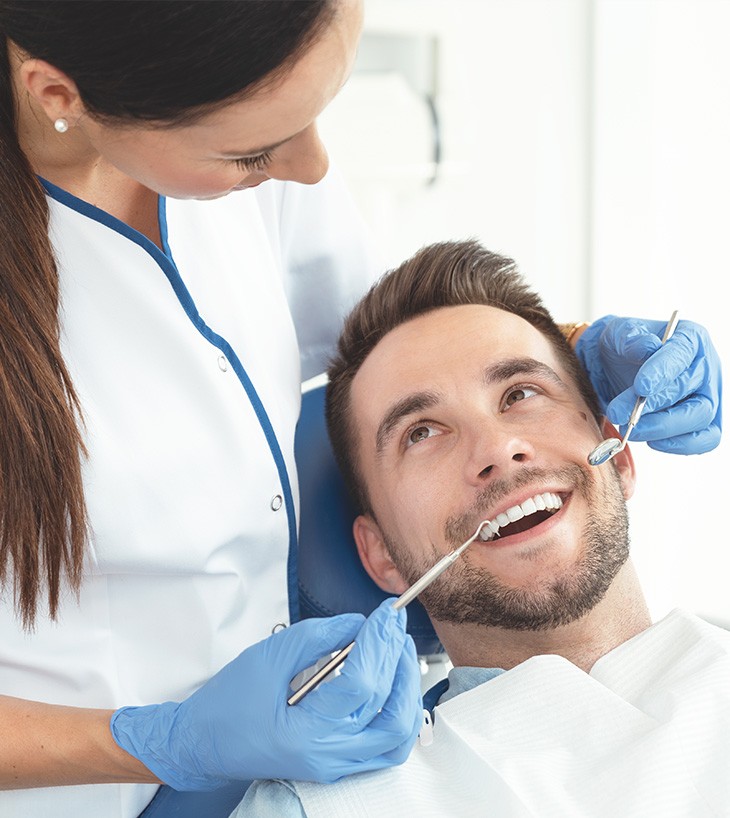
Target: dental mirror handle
(633, 420)
(641, 401)
(407, 596)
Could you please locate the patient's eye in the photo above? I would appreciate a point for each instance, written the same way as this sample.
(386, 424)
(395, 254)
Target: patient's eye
(516, 394)
(419, 433)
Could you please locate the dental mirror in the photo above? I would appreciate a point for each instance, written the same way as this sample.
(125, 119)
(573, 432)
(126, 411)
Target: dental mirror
(611, 446)
(605, 450)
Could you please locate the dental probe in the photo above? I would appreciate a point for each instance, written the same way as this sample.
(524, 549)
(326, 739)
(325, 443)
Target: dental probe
(611, 446)
(407, 596)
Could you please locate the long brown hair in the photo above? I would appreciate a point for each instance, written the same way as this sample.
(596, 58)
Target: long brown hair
(446, 274)
(42, 510)
(222, 50)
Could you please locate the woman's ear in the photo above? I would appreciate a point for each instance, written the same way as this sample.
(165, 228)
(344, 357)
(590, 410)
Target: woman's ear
(54, 91)
(623, 461)
(375, 557)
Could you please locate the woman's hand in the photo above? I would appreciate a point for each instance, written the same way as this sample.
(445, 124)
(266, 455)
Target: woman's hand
(238, 725)
(681, 379)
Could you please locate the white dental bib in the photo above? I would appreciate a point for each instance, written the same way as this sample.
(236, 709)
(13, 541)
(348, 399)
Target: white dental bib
(646, 733)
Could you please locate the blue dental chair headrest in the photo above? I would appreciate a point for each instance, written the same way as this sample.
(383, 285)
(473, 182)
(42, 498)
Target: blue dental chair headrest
(331, 577)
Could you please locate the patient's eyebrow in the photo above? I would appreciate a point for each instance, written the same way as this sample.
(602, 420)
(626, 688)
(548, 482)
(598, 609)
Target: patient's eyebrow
(416, 402)
(419, 401)
(511, 367)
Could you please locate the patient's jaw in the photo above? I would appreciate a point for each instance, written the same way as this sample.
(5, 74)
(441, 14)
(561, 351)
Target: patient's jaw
(465, 414)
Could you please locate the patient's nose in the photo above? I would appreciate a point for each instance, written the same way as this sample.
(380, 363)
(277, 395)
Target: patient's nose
(497, 454)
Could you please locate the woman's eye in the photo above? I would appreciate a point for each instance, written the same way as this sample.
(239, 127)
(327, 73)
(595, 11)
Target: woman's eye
(419, 433)
(517, 394)
(254, 162)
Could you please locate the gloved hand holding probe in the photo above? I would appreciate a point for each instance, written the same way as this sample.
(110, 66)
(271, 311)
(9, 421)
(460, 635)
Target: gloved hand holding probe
(238, 725)
(682, 380)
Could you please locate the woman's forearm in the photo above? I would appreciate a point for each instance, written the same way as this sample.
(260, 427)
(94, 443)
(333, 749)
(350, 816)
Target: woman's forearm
(47, 745)
(572, 332)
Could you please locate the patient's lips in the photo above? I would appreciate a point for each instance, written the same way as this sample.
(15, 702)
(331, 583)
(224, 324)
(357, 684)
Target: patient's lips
(509, 522)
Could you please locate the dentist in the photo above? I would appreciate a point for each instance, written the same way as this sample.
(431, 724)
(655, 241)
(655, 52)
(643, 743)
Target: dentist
(158, 308)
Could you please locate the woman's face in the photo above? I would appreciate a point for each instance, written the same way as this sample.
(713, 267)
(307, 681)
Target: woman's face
(270, 135)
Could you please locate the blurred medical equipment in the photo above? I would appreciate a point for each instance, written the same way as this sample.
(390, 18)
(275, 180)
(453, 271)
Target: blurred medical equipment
(612, 446)
(386, 120)
(407, 596)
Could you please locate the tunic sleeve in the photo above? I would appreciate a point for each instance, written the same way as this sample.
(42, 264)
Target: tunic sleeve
(329, 260)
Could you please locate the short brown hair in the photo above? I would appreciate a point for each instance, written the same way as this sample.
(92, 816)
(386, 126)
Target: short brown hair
(447, 274)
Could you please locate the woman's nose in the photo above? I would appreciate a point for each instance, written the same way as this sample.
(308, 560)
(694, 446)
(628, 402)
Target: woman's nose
(304, 159)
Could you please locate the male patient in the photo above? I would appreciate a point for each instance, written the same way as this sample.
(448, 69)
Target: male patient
(454, 399)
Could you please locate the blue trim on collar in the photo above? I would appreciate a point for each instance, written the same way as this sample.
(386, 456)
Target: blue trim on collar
(112, 222)
(168, 267)
(433, 694)
(162, 219)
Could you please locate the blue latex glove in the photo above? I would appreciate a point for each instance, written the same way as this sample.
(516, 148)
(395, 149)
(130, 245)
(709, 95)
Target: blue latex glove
(682, 381)
(239, 726)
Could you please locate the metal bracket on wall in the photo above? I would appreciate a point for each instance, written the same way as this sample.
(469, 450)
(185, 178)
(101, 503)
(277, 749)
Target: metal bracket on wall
(416, 58)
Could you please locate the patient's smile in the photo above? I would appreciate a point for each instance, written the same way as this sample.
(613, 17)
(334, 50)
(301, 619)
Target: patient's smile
(522, 517)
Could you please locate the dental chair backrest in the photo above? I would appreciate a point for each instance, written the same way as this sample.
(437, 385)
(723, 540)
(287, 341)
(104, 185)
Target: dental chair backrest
(331, 577)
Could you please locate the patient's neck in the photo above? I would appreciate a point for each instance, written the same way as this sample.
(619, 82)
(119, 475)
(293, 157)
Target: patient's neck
(621, 614)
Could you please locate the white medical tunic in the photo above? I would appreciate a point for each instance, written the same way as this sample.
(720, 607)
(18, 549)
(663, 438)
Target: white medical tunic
(187, 366)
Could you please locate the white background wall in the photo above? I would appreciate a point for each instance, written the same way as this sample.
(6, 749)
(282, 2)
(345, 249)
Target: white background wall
(587, 139)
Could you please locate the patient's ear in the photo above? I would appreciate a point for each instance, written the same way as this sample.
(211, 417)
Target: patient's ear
(623, 461)
(374, 555)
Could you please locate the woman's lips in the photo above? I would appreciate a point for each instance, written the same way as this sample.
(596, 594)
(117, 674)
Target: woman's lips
(248, 185)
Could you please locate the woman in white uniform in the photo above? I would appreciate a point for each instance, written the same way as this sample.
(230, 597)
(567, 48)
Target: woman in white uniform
(151, 332)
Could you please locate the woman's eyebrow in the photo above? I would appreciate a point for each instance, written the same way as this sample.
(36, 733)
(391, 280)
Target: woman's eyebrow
(416, 402)
(255, 151)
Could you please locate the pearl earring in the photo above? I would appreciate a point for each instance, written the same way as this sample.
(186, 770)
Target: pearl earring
(61, 125)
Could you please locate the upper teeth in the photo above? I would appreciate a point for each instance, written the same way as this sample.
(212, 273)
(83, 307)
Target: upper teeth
(540, 502)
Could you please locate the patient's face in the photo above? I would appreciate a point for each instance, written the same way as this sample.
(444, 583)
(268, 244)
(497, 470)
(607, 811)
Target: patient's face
(465, 414)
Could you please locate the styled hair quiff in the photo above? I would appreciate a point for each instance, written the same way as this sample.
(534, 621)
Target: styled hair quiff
(446, 274)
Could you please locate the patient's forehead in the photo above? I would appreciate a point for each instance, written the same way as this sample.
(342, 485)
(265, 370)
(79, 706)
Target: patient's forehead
(443, 350)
